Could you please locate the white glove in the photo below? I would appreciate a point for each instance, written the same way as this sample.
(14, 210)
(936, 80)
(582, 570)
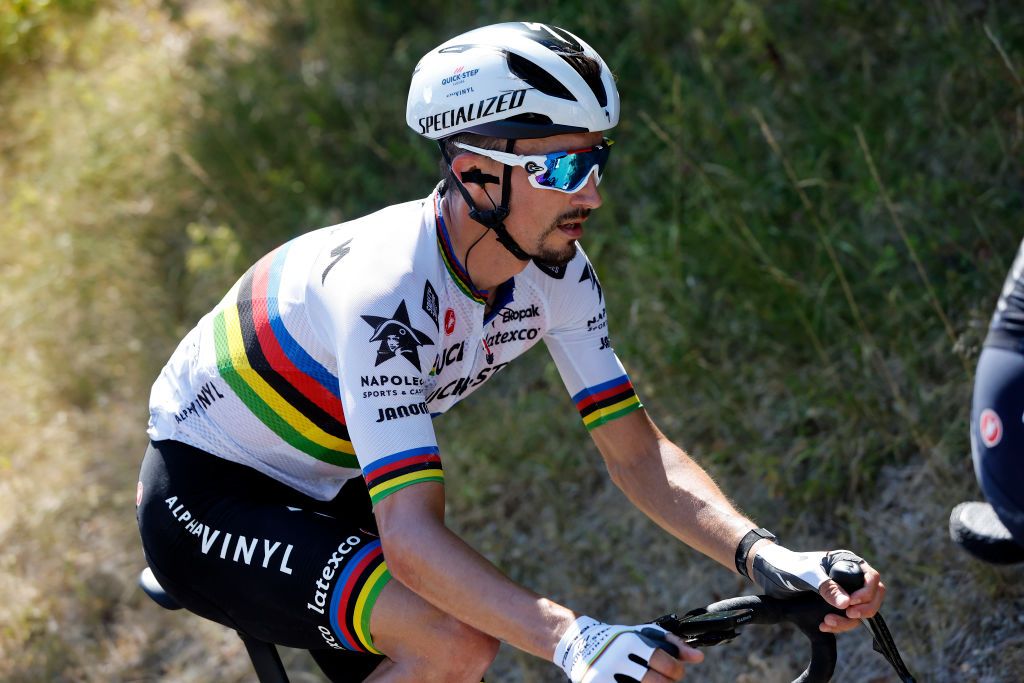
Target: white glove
(593, 652)
(782, 572)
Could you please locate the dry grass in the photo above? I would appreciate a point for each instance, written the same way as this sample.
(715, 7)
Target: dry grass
(98, 183)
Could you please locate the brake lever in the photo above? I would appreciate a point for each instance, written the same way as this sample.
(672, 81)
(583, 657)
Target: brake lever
(699, 628)
(850, 578)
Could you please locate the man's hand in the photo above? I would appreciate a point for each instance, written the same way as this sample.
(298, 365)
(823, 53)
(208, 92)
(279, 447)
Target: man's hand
(594, 652)
(862, 604)
(782, 573)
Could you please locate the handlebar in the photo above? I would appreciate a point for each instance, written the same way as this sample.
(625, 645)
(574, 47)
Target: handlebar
(804, 611)
(718, 622)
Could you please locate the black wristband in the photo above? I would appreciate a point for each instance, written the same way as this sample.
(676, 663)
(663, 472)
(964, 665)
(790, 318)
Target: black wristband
(743, 549)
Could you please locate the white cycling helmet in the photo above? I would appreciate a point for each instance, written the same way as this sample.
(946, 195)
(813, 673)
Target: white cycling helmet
(512, 80)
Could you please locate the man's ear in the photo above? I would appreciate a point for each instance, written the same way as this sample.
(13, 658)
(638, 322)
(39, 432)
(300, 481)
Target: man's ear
(476, 172)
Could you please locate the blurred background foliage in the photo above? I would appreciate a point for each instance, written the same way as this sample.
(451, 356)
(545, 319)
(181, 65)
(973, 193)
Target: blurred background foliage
(810, 211)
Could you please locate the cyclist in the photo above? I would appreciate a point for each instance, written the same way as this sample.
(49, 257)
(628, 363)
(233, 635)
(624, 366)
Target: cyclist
(994, 530)
(293, 488)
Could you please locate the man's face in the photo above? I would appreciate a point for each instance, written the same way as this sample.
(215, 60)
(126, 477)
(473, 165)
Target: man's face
(547, 223)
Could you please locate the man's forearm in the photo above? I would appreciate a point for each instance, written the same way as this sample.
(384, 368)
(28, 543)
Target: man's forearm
(675, 492)
(442, 569)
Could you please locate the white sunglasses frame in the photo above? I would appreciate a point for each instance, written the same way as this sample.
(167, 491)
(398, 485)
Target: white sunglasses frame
(539, 162)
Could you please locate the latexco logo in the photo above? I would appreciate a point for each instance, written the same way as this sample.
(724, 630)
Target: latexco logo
(329, 571)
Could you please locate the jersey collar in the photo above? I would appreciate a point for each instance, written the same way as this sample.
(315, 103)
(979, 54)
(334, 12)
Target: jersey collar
(451, 261)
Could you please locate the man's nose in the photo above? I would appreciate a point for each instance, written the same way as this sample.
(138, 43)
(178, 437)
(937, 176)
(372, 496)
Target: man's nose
(588, 196)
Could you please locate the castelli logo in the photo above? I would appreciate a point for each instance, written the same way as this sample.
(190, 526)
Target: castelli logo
(990, 427)
(449, 322)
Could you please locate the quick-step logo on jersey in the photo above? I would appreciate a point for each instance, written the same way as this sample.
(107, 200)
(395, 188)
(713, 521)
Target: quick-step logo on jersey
(279, 382)
(397, 336)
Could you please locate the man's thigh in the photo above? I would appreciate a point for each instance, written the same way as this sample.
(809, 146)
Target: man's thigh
(224, 543)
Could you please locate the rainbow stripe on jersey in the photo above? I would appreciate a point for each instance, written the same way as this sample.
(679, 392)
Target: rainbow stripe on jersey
(354, 596)
(394, 472)
(607, 401)
(287, 389)
(451, 262)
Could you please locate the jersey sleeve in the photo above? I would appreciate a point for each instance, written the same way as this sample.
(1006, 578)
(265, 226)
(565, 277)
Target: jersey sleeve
(384, 344)
(580, 345)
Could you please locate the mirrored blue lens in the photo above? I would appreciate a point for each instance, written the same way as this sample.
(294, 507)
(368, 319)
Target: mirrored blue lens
(568, 171)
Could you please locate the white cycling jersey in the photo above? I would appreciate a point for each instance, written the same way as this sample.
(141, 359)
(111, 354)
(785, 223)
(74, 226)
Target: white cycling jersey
(331, 355)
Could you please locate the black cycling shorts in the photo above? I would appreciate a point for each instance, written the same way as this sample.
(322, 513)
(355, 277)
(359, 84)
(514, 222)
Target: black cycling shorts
(244, 550)
(997, 434)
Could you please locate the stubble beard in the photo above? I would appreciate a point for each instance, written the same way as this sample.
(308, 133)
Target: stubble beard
(557, 257)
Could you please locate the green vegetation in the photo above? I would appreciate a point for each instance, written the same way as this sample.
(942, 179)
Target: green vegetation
(810, 211)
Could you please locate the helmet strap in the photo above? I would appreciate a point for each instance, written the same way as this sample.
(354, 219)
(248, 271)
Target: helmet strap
(492, 219)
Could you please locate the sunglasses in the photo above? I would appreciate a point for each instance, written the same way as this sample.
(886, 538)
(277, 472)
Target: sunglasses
(565, 171)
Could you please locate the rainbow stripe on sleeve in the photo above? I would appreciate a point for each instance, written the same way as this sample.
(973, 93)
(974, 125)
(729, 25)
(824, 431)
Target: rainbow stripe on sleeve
(607, 401)
(354, 596)
(394, 472)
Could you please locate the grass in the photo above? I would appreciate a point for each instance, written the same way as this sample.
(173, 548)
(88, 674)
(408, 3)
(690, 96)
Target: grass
(810, 212)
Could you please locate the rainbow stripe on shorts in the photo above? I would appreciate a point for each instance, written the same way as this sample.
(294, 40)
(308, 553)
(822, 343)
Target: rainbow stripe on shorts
(354, 596)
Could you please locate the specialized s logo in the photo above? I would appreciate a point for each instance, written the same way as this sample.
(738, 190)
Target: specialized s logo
(589, 274)
(338, 253)
(533, 167)
(397, 336)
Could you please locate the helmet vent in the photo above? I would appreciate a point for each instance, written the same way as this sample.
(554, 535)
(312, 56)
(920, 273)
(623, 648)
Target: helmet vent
(590, 70)
(537, 77)
(531, 119)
